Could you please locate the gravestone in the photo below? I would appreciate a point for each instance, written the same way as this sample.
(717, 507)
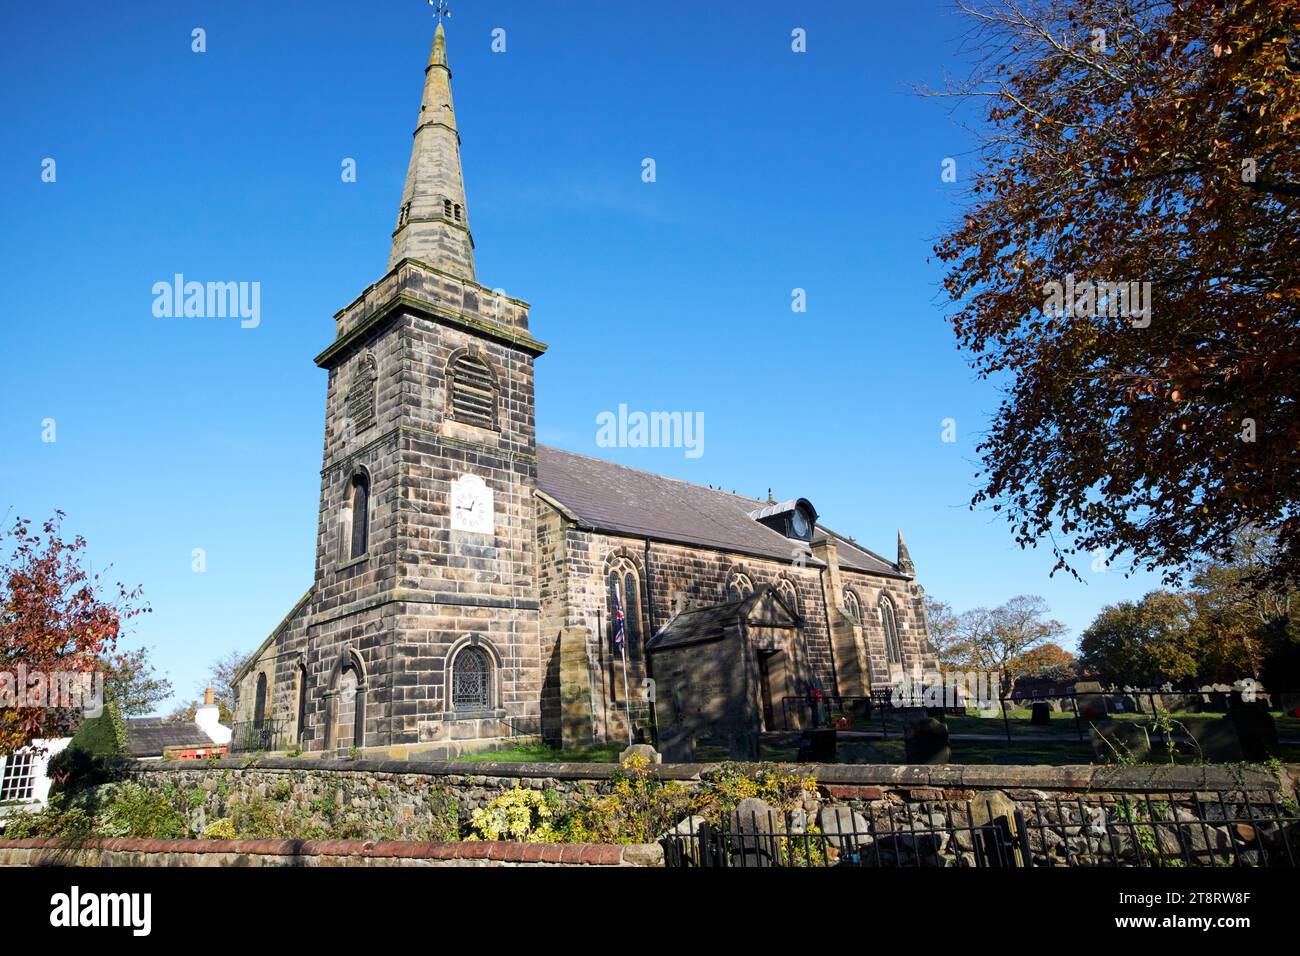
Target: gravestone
(1215, 737)
(993, 817)
(1120, 741)
(753, 826)
(1040, 715)
(1256, 732)
(1091, 703)
(926, 741)
(651, 755)
(817, 746)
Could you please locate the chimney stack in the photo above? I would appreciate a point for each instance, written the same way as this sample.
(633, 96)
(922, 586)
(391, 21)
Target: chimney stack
(209, 697)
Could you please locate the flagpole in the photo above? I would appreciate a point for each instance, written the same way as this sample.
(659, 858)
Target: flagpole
(622, 651)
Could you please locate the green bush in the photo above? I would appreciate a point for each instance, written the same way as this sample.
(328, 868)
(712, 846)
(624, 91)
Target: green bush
(73, 769)
(136, 811)
(102, 736)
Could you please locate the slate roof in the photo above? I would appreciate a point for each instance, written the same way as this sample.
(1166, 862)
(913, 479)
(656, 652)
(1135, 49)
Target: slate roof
(147, 736)
(608, 497)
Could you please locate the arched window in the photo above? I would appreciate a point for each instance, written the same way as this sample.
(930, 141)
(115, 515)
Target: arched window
(789, 594)
(471, 680)
(624, 586)
(360, 520)
(893, 647)
(852, 608)
(259, 702)
(471, 391)
(739, 586)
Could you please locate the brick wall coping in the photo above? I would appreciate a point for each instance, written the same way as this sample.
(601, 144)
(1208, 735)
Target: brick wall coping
(938, 776)
(590, 854)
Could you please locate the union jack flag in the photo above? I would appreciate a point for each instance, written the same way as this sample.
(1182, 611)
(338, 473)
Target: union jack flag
(618, 619)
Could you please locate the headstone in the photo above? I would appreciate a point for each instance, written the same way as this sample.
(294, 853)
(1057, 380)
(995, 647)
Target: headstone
(686, 838)
(1040, 715)
(1120, 741)
(1256, 732)
(743, 745)
(1091, 703)
(753, 827)
(817, 746)
(1214, 737)
(926, 741)
(651, 755)
(993, 817)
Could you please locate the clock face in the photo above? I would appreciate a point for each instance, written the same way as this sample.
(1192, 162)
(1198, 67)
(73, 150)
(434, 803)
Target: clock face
(471, 505)
(799, 523)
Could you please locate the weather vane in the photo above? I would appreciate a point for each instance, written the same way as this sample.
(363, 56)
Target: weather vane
(440, 8)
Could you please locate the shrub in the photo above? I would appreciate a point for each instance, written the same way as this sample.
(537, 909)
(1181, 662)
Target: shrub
(637, 809)
(73, 769)
(136, 811)
(223, 829)
(782, 787)
(102, 736)
(517, 815)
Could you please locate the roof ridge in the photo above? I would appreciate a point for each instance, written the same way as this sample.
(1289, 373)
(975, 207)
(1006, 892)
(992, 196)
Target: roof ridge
(643, 471)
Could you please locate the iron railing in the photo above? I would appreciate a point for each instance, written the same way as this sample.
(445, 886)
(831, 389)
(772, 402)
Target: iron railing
(1077, 710)
(1245, 829)
(253, 736)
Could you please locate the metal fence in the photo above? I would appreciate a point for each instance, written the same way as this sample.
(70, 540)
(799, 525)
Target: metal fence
(1139, 830)
(265, 735)
(1074, 710)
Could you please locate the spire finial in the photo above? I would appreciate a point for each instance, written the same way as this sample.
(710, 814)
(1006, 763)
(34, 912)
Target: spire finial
(904, 561)
(433, 218)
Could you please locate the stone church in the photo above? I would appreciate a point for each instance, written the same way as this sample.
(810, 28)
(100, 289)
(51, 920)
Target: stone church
(468, 579)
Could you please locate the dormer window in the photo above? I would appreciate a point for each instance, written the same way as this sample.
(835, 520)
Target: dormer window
(795, 518)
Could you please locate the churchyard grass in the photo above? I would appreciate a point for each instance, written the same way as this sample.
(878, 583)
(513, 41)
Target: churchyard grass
(540, 753)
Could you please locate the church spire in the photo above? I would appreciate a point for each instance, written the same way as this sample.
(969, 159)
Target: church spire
(433, 220)
(904, 559)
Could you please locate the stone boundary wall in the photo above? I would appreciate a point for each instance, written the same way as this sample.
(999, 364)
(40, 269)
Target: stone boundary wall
(574, 776)
(298, 853)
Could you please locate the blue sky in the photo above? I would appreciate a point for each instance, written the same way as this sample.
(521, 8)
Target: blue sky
(775, 171)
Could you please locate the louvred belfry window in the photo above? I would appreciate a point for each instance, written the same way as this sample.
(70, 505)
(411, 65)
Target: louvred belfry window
(472, 392)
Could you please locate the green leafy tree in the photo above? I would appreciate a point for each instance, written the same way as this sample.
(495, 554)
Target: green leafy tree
(132, 681)
(1144, 643)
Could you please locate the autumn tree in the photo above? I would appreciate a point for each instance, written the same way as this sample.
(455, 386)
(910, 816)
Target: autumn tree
(1049, 661)
(947, 641)
(1144, 643)
(1129, 143)
(54, 619)
(996, 638)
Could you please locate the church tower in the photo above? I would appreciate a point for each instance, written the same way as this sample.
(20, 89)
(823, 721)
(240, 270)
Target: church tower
(423, 625)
